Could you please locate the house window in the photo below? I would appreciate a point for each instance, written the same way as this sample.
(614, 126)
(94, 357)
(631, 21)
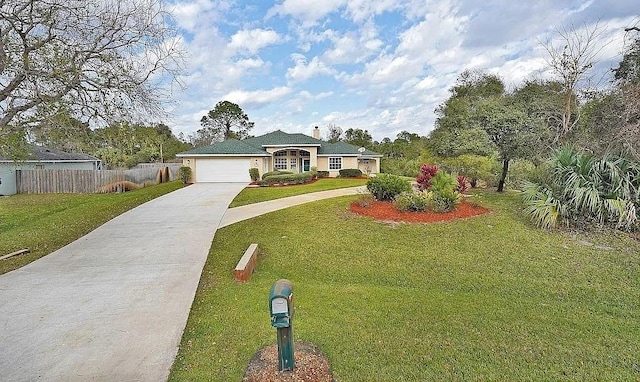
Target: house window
(280, 163)
(293, 162)
(335, 163)
(293, 153)
(280, 154)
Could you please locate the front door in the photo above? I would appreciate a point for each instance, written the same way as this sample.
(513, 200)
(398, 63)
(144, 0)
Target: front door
(305, 164)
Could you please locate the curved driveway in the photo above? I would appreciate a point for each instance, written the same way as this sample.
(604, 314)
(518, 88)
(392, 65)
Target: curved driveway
(112, 305)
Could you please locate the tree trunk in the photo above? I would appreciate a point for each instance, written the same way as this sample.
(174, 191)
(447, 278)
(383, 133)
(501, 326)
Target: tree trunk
(505, 169)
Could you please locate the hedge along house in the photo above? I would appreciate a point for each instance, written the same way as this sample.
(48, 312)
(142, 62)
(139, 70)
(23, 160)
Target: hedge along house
(230, 160)
(42, 158)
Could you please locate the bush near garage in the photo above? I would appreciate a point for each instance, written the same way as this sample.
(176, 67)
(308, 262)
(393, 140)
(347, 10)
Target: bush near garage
(285, 179)
(185, 174)
(350, 173)
(254, 174)
(273, 173)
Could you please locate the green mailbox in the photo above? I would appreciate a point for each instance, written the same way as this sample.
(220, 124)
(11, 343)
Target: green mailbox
(281, 304)
(281, 311)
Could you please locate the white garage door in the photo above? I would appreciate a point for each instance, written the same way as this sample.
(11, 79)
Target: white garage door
(222, 170)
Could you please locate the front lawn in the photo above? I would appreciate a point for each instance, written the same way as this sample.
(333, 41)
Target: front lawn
(487, 298)
(260, 194)
(46, 222)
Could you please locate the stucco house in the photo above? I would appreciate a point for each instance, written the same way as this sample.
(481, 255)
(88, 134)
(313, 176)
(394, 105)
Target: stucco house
(230, 160)
(42, 158)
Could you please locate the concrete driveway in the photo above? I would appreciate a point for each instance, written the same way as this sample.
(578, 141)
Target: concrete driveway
(112, 305)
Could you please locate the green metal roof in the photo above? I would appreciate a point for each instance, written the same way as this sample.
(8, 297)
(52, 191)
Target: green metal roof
(338, 148)
(343, 148)
(255, 146)
(280, 138)
(228, 147)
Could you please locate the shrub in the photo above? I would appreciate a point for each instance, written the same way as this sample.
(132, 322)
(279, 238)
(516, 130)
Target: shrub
(273, 173)
(520, 171)
(314, 172)
(445, 197)
(289, 178)
(411, 201)
(400, 166)
(445, 200)
(473, 167)
(185, 174)
(254, 174)
(350, 173)
(427, 171)
(387, 187)
(323, 174)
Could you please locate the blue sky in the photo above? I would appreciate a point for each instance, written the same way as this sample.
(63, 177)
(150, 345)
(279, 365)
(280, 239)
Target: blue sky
(379, 65)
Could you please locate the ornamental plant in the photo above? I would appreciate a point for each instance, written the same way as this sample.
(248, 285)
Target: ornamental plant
(445, 197)
(427, 172)
(412, 201)
(580, 189)
(387, 187)
(185, 174)
(463, 185)
(254, 174)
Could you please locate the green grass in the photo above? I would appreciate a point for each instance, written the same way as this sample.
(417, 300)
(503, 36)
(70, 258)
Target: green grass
(487, 298)
(261, 194)
(46, 222)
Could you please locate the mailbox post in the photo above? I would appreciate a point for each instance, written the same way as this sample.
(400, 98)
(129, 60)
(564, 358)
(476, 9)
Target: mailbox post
(281, 310)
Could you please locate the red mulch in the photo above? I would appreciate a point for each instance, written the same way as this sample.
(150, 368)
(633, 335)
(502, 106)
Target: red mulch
(386, 211)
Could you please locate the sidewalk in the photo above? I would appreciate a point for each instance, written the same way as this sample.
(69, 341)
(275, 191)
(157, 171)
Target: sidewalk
(234, 215)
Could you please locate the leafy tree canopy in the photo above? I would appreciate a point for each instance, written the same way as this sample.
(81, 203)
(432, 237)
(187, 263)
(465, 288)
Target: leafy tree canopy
(358, 137)
(226, 120)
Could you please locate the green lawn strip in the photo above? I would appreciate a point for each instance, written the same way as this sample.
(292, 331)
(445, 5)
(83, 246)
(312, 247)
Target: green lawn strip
(486, 298)
(45, 222)
(260, 194)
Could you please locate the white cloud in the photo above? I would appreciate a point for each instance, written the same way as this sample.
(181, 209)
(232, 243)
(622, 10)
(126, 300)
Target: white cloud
(302, 71)
(253, 40)
(257, 98)
(361, 10)
(190, 14)
(309, 11)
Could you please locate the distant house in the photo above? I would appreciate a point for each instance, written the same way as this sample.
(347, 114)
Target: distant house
(42, 158)
(230, 160)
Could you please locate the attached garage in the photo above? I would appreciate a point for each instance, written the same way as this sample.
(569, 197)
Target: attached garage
(216, 170)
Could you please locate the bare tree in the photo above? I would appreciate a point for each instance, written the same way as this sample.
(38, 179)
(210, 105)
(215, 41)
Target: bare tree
(98, 59)
(571, 56)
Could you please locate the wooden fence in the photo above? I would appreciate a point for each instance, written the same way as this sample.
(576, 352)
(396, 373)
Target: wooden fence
(84, 181)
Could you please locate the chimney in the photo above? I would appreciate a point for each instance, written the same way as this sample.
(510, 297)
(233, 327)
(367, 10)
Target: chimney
(316, 133)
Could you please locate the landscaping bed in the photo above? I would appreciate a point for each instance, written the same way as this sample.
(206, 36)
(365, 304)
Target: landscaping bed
(386, 211)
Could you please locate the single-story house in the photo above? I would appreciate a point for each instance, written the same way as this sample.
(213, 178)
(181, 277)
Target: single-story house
(230, 160)
(42, 158)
